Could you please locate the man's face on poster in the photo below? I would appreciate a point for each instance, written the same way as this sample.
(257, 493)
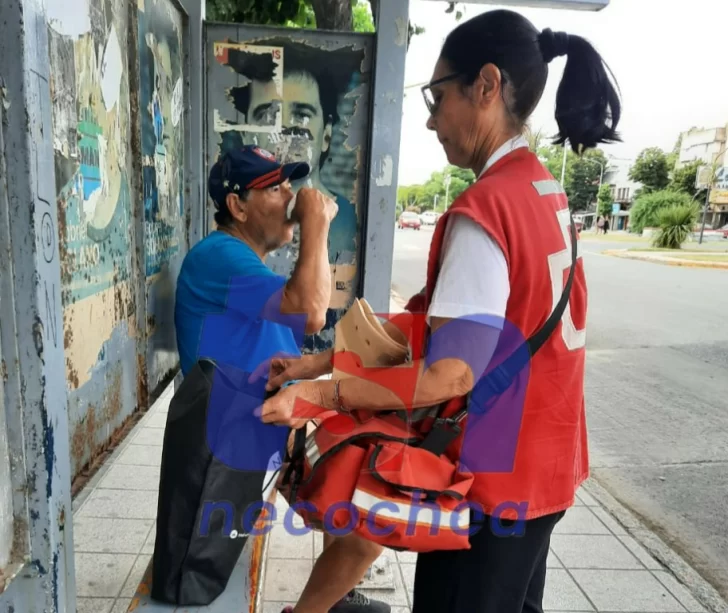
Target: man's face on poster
(306, 132)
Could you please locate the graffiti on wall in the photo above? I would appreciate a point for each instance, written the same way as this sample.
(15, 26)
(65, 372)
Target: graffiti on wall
(162, 120)
(304, 101)
(91, 116)
(91, 139)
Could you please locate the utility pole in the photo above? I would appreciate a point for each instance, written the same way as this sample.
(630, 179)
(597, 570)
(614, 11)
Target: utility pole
(705, 213)
(712, 170)
(563, 165)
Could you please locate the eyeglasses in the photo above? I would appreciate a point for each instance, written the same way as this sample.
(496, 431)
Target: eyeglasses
(427, 92)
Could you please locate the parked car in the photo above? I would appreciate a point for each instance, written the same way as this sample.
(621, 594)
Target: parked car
(429, 218)
(409, 219)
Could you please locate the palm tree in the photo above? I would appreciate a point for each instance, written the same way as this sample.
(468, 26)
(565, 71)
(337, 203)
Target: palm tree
(534, 139)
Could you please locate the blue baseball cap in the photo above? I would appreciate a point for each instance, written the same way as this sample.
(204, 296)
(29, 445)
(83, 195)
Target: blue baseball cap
(249, 167)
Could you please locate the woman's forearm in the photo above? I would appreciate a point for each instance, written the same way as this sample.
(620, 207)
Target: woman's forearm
(458, 354)
(324, 362)
(408, 387)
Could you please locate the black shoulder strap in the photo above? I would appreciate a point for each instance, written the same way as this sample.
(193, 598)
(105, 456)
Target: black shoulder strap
(539, 338)
(501, 377)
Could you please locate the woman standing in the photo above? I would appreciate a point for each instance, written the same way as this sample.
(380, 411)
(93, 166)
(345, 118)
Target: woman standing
(502, 250)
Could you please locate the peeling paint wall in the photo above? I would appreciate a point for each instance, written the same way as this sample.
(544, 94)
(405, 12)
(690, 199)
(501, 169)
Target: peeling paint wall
(6, 492)
(119, 194)
(162, 100)
(92, 150)
(304, 96)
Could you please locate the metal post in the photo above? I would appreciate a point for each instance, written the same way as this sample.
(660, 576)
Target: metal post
(31, 336)
(196, 202)
(705, 214)
(563, 165)
(386, 122)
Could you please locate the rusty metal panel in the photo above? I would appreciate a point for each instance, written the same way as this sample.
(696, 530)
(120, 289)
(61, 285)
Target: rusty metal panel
(163, 96)
(41, 573)
(7, 523)
(311, 102)
(92, 153)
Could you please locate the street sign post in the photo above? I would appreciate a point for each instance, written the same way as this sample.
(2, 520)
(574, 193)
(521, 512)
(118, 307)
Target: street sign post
(703, 177)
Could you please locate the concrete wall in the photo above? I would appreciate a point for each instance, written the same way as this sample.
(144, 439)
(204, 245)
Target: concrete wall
(118, 139)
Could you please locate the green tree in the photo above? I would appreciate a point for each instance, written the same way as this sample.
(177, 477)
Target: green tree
(604, 200)
(683, 179)
(411, 195)
(263, 12)
(362, 16)
(552, 157)
(582, 184)
(340, 15)
(651, 168)
(535, 139)
(674, 155)
(646, 208)
(431, 194)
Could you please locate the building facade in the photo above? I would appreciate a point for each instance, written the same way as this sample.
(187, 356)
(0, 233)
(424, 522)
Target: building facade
(623, 190)
(709, 146)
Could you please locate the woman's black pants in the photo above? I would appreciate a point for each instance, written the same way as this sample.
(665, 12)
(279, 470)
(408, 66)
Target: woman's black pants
(499, 574)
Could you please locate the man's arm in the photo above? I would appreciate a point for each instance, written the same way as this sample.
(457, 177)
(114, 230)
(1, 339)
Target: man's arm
(309, 289)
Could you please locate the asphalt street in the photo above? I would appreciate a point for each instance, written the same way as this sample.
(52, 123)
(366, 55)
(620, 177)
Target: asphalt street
(657, 391)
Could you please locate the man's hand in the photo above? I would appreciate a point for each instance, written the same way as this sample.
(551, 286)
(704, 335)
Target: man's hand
(283, 370)
(293, 406)
(312, 203)
(416, 304)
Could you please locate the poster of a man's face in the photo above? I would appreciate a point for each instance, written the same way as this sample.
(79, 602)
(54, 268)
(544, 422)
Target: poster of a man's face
(304, 101)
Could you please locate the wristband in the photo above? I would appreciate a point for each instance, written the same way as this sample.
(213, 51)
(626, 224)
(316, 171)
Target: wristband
(340, 408)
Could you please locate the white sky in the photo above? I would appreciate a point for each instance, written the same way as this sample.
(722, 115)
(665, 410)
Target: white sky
(667, 57)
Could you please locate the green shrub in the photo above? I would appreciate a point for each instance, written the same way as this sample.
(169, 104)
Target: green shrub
(644, 213)
(676, 224)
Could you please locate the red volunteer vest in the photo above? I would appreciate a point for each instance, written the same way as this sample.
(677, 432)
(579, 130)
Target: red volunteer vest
(520, 205)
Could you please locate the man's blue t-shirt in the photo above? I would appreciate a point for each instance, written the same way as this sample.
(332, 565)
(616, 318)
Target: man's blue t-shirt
(228, 307)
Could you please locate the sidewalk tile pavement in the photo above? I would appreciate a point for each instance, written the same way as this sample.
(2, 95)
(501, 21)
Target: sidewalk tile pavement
(593, 564)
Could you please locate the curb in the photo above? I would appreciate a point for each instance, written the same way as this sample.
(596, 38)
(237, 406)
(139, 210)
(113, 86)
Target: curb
(259, 561)
(665, 260)
(701, 590)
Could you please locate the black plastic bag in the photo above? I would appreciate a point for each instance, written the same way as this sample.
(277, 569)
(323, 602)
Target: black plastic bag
(216, 452)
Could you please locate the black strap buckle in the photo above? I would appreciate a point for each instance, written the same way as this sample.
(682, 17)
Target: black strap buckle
(443, 432)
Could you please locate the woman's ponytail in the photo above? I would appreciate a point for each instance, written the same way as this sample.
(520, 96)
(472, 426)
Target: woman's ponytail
(587, 105)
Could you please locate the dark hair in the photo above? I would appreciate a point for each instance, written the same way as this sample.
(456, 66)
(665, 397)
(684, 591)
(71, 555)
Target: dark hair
(587, 104)
(218, 191)
(332, 70)
(223, 217)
